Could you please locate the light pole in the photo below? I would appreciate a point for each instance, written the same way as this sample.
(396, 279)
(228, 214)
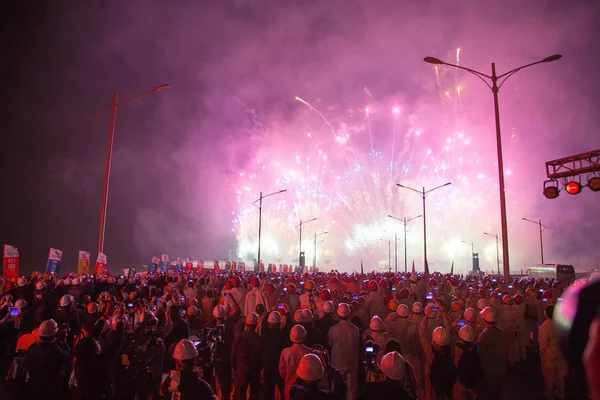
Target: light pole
(111, 137)
(542, 227)
(315, 253)
(395, 250)
(423, 195)
(404, 221)
(300, 246)
(472, 252)
(497, 249)
(495, 87)
(259, 200)
(389, 253)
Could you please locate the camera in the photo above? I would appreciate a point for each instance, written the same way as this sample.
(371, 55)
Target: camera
(461, 323)
(14, 311)
(370, 354)
(429, 296)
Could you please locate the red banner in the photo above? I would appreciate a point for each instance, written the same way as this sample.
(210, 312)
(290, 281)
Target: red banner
(11, 262)
(189, 266)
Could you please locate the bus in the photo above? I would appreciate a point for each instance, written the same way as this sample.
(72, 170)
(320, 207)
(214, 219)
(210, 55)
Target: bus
(564, 273)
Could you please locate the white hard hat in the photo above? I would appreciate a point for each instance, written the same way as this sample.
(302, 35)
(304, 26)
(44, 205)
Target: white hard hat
(507, 299)
(307, 316)
(417, 308)
(67, 281)
(274, 318)
(192, 310)
(440, 336)
(489, 314)
(343, 310)
(92, 307)
(252, 319)
(48, 328)
(481, 304)
(414, 278)
(376, 324)
(328, 307)
(298, 316)
(75, 281)
(21, 281)
(470, 315)
(310, 368)
(66, 300)
(40, 285)
(402, 310)
(60, 282)
(219, 311)
(297, 334)
(393, 366)
(432, 313)
(467, 333)
(20, 303)
(185, 350)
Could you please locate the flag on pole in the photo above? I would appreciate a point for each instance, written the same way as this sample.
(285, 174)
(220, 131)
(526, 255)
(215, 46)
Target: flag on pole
(179, 264)
(11, 262)
(154, 264)
(100, 264)
(189, 265)
(83, 263)
(164, 262)
(217, 268)
(200, 266)
(362, 271)
(413, 268)
(54, 260)
(452, 269)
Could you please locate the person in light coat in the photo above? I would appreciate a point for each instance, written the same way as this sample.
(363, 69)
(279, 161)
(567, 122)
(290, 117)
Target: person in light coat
(554, 367)
(344, 341)
(290, 357)
(493, 347)
(254, 297)
(508, 321)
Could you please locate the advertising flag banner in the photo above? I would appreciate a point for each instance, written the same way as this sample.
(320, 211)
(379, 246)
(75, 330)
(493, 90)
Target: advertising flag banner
(154, 264)
(54, 260)
(179, 264)
(200, 266)
(172, 265)
(164, 262)
(100, 264)
(243, 267)
(11, 262)
(217, 268)
(189, 265)
(83, 263)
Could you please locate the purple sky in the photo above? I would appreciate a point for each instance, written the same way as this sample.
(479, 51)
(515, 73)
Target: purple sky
(178, 153)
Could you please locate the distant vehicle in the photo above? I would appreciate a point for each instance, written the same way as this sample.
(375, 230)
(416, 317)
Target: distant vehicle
(564, 273)
(595, 276)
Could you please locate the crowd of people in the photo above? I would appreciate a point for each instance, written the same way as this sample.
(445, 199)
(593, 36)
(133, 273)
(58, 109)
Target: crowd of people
(189, 335)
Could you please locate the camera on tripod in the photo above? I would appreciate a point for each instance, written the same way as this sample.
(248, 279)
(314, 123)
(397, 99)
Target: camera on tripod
(370, 355)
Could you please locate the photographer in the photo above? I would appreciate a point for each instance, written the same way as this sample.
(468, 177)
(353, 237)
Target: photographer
(310, 371)
(184, 383)
(393, 376)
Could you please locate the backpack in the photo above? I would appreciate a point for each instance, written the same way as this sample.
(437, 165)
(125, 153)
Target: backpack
(442, 374)
(468, 369)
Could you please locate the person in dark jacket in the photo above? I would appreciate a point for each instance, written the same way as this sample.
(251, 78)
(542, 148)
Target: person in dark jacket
(92, 366)
(310, 371)
(67, 314)
(274, 340)
(48, 362)
(184, 383)
(246, 359)
(325, 323)
(394, 376)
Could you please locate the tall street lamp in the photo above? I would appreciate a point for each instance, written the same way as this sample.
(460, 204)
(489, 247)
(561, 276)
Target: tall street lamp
(395, 250)
(423, 195)
(259, 200)
(315, 253)
(300, 246)
(495, 87)
(113, 110)
(472, 252)
(389, 242)
(405, 221)
(497, 249)
(542, 227)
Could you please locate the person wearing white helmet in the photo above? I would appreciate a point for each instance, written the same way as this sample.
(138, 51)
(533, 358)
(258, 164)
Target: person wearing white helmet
(468, 365)
(311, 370)
(493, 345)
(508, 321)
(344, 341)
(246, 359)
(377, 334)
(393, 380)
(416, 313)
(184, 383)
(67, 314)
(325, 322)
(554, 366)
(290, 357)
(405, 331)
(223, 353)
(46, 361)
(274, 341)
(440, 372)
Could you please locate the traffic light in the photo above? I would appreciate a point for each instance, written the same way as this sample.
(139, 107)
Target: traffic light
(551, 190)
(594, 184)
(573, 187)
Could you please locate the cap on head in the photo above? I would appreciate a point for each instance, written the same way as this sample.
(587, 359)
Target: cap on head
(393, 305)
(402, 311)
(274, 318)
(488, 314)
(297, 334)
(481, 304)
(48, 328)
(417, 308)
(185, 350)
(307, 316)
(393, 366)
(252, 319)
(343, 310)
(440, 336)
(467, 333)
(328, 307)
(470, 315)
(219, 311)
(66, 300)
(376, 324)
(310, 368)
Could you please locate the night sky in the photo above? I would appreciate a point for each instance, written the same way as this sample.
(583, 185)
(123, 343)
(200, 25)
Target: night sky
(177, 152)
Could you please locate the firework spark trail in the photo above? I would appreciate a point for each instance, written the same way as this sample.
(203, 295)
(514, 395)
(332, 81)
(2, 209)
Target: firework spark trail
(310, 107)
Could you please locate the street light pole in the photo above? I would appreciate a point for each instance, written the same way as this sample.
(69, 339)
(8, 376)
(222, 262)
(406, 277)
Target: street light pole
(300, 246)
(259, 200)
(111, 137)
(423, 195)
(389, 242)
(315, 253)
(542, 227)
(472, 252)
(405, 221)
(495, 87)
(497, 249)
(395, 250)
